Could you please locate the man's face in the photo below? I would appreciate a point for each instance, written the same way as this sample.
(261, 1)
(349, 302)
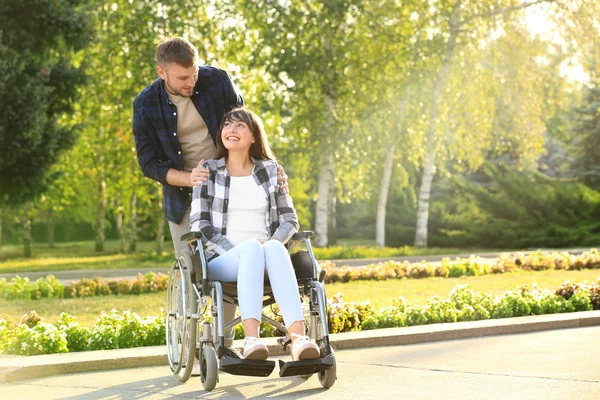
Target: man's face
(179, 80)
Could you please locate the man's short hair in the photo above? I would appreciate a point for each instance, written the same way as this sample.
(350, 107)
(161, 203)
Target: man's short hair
(176, 50)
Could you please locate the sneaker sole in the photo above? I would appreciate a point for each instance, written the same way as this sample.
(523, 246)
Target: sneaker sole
(309, 354)
(259, 354)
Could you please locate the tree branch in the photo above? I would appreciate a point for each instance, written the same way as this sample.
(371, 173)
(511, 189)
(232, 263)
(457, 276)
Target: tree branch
(507, 9)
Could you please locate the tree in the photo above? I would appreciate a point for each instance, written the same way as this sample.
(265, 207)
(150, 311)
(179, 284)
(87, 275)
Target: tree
(461, 22)
(38, 87)
(587, 119)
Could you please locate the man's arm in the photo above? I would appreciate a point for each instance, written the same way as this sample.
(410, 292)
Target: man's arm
(148, 155)
(151, 164)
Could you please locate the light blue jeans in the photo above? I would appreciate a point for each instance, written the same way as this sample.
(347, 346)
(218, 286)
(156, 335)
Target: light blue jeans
(246, 264)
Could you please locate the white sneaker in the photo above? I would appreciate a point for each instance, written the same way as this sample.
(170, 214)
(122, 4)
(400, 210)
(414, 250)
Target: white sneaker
(255, 349)
(304, 349)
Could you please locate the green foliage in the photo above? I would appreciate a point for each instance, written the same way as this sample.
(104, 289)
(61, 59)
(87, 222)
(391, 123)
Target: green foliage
(43, 338)
(49, 287)
(77, 336)
(39, 85)
(118, 331)
(500, 207)
(472, 266)
(587, 119)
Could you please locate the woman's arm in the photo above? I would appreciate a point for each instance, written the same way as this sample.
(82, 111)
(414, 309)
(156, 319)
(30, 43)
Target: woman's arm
(288, 219)
(201, 218)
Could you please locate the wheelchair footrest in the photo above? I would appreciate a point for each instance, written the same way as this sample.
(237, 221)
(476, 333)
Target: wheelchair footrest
(239, 366)
(305, 367)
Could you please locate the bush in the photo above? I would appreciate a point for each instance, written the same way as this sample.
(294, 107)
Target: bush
(118, 331)
(18, 289)
(77, 336)
(47, 287)
(31, 319)
(43, 338)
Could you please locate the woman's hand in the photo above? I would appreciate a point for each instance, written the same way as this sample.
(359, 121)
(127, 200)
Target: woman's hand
(282, 178)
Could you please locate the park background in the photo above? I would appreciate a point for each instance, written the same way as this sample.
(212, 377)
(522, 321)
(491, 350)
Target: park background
(426, 126)
(465, 124)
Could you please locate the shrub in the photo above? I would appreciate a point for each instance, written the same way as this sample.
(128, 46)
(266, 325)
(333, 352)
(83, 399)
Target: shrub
(31, 319)
(567, 289)
(44, 338)
(77, 336)
(344, 316)
(47, 287)
(18, 289)
(7, 332)
(118, 331)
(119, 286)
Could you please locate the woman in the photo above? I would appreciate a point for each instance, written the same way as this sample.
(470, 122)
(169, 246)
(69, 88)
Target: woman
(245, 220)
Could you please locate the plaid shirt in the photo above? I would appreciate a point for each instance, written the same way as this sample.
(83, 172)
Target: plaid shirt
(210, 202)
(155, 130)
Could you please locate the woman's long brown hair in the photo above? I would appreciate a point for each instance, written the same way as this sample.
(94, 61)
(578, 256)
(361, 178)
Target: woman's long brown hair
(260, 149)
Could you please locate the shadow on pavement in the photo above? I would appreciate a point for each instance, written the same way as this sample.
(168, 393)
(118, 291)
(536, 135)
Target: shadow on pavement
(170, 387)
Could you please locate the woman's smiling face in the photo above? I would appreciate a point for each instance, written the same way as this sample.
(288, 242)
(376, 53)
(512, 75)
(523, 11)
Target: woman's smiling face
(236, 135)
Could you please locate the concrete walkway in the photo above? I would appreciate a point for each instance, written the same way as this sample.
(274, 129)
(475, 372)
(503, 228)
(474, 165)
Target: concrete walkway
(555, 364)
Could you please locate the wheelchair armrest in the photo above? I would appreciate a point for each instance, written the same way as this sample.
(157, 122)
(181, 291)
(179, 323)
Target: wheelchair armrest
(303, 235)
(191, 235)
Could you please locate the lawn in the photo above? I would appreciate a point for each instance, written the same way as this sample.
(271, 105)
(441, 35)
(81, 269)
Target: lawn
(380, 293)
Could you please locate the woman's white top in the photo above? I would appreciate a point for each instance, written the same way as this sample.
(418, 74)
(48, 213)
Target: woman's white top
(247, 210)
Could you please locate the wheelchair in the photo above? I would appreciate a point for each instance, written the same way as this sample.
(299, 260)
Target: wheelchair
(189, 337)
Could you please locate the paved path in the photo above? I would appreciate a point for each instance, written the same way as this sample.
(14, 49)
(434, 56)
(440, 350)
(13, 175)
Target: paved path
(130, 273)
(554, 364)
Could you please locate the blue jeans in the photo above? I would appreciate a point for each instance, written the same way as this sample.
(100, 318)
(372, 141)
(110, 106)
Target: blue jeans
(246, 264)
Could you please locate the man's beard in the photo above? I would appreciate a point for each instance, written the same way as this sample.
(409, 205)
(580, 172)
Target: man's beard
(178, 92)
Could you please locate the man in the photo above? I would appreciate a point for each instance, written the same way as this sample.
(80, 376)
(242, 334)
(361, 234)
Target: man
(175, 122)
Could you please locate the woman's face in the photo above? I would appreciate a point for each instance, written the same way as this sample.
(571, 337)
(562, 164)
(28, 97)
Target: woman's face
(236, 136)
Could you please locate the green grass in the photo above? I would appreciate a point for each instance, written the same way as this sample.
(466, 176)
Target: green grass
(81, 255)
(419, 290)
(380, 293)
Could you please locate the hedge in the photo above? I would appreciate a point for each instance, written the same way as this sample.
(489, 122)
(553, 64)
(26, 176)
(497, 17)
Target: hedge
(123, 330)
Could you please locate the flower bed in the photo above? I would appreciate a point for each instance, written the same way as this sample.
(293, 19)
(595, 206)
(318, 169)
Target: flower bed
(472, 266)
(49, 287)
(123, 330)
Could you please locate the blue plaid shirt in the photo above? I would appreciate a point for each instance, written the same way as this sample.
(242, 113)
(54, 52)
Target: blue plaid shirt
(155, 130)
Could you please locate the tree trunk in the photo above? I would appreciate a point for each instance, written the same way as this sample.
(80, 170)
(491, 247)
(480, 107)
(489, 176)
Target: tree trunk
(120, 226)
(431, 137)
(383, 196)
(100, 212)
(160, 230)
(50, 229)
(332, 238)
(326, 177)
(133, 224)
(1, 226)
(27, 232)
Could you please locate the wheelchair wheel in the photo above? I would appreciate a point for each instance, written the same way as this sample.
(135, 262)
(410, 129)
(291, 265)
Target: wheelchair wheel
(175, 321)
(188, 338)
(327, 378)
(209, 368)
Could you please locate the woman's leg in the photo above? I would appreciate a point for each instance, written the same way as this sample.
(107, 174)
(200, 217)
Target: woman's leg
(244, 264)
(285, 287)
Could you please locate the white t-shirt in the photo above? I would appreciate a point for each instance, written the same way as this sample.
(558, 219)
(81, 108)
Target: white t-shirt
(247, 210)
